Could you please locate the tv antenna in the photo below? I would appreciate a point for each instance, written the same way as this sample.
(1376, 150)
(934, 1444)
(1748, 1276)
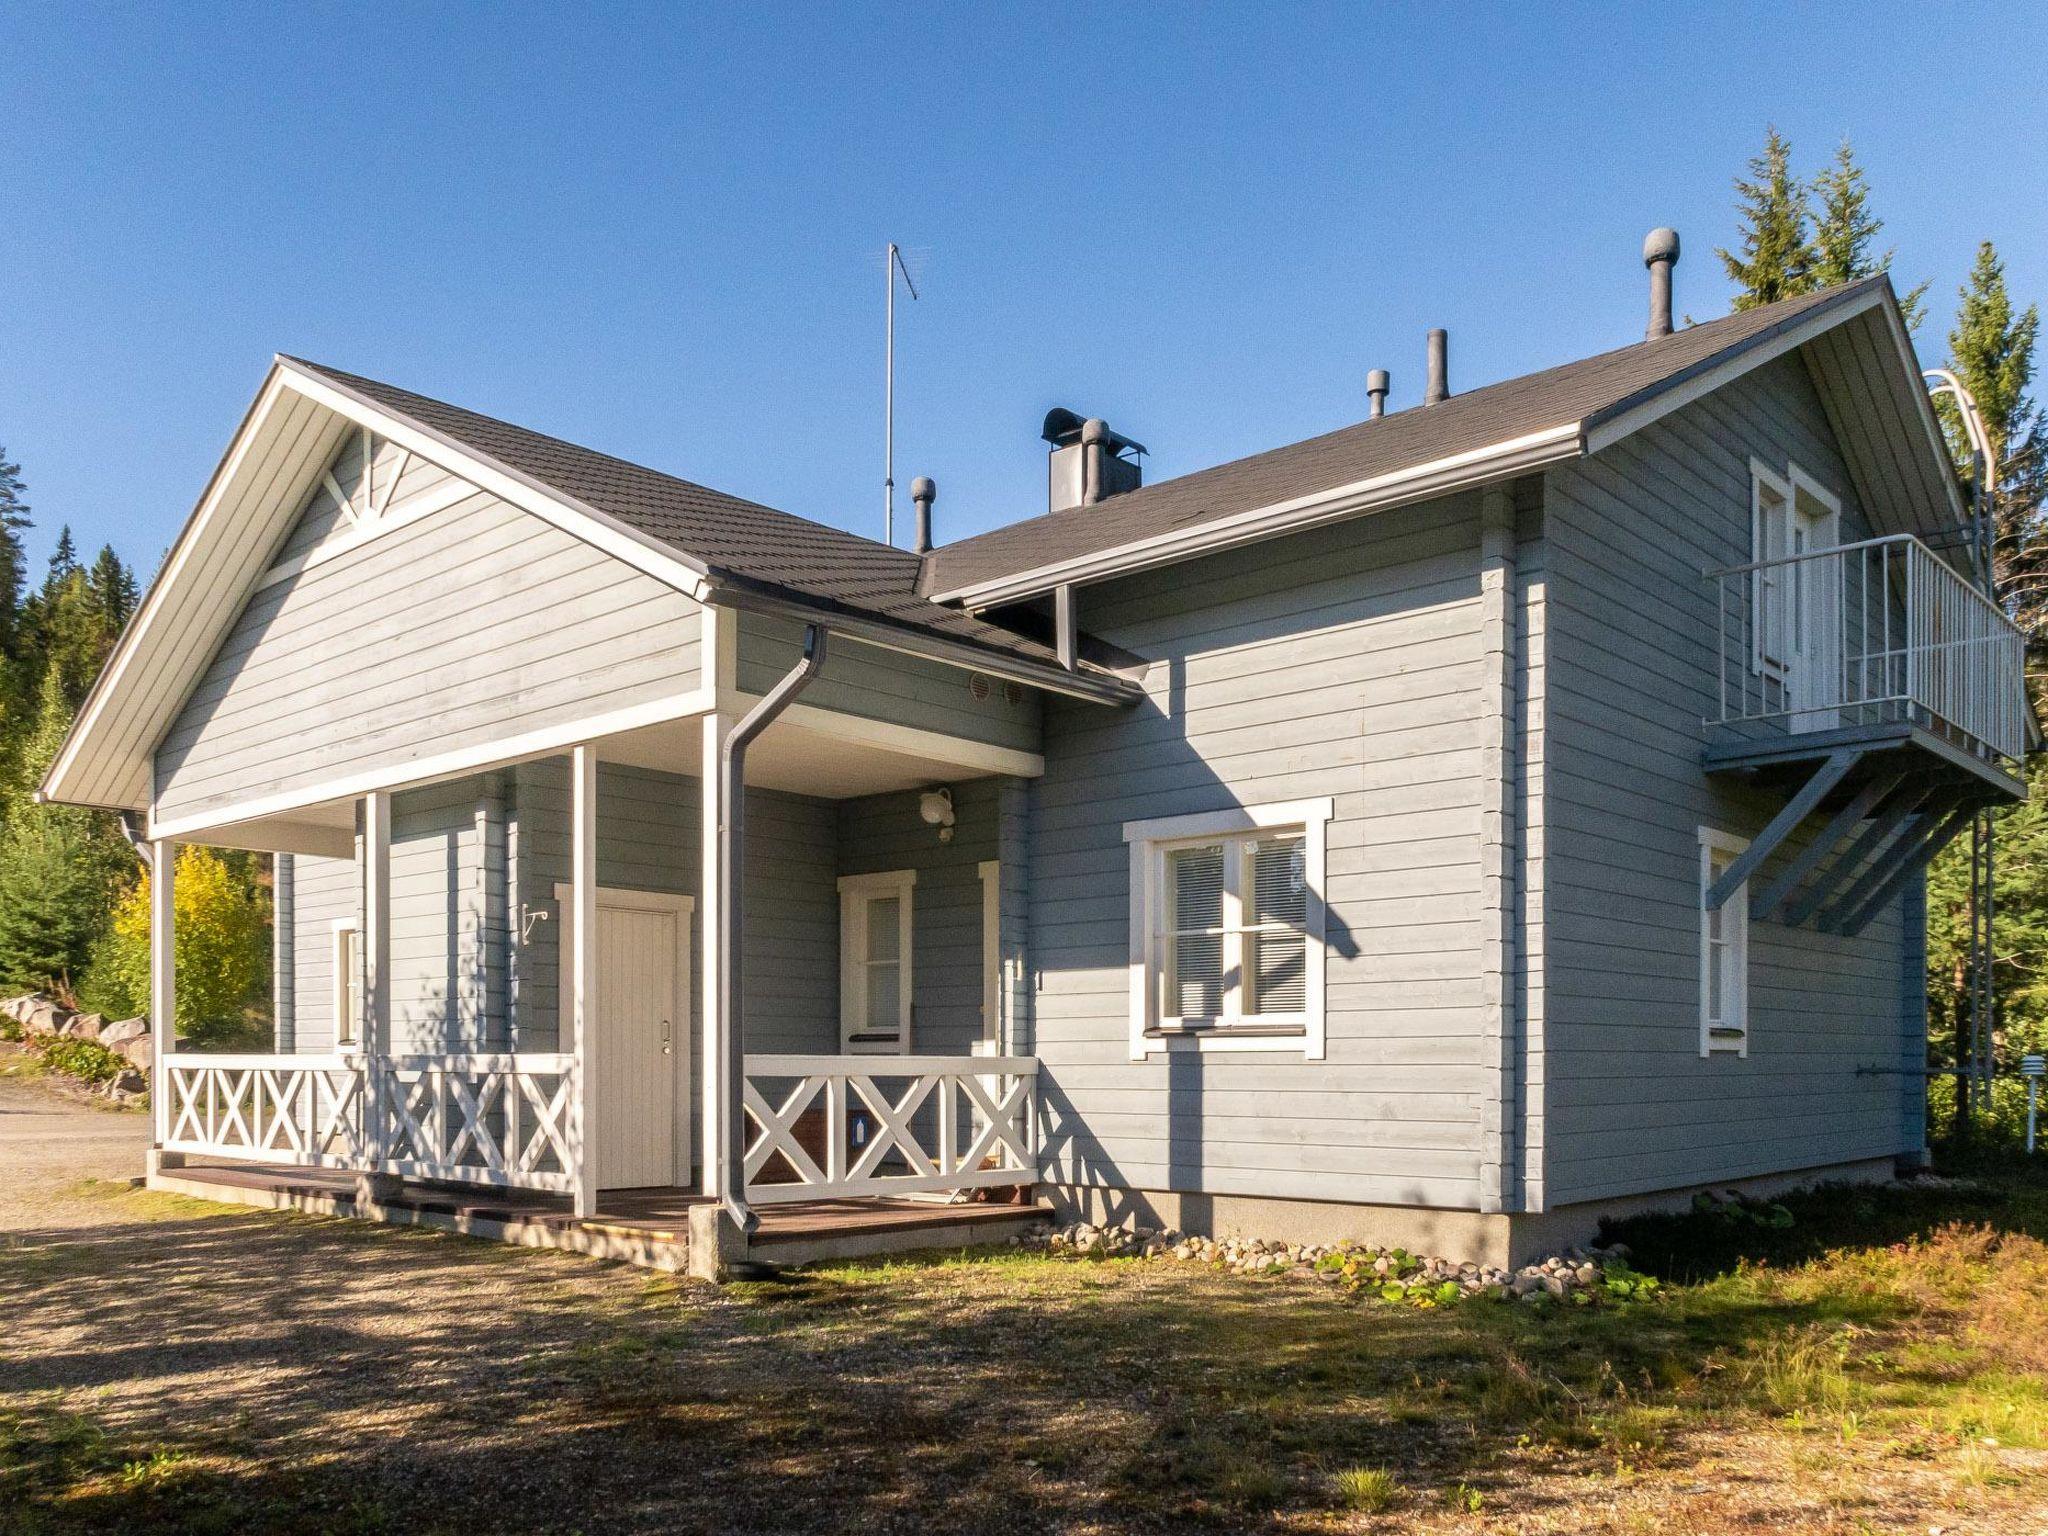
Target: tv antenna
(893, 265)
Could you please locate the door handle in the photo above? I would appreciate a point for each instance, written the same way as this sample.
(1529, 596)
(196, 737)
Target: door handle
(667, 1038)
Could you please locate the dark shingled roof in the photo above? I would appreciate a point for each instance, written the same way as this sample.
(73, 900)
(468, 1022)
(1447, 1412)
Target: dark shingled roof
(1582, 391)
(723, 534)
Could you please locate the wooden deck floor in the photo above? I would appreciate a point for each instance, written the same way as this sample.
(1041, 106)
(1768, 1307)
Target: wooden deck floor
(657, 1216)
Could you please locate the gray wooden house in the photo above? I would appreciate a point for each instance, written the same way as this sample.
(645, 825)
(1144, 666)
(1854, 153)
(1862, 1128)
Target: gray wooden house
(1498, 813)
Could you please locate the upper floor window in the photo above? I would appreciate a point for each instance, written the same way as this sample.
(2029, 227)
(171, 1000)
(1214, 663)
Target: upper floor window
(1227, 928)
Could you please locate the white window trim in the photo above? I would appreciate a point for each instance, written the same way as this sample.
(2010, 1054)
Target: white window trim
(855, 892)
(991, 871)
(1147, 841)
(1761, 475)
(338, 951)
(1735, 920)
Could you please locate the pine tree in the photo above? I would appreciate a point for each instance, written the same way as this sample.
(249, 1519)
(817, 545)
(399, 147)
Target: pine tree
(1777, 255)
(1844, 231)
(64, 558)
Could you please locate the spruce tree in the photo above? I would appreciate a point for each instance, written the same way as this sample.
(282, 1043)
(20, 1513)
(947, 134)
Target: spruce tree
(13, 562)
(1777, 255)
(1845, 231)
(61, 868)
(1991, 349)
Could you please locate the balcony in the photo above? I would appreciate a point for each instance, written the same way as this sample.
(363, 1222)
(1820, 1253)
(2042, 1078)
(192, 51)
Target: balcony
(1874, 685)
(1868, 641)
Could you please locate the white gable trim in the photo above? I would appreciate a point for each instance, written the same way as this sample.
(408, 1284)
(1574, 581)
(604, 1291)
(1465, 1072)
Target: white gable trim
(573, 517)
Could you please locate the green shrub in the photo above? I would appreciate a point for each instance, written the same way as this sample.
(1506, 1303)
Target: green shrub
(1369, 1490)
(87, 1060)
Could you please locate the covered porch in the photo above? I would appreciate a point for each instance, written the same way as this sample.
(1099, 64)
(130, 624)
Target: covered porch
(570, 998)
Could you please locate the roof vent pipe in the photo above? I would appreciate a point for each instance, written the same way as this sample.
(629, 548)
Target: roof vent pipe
(924, 491)
(1376, 385)
(1660, 255)
(1438, 389)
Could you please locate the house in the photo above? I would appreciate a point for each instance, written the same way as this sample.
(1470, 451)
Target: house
(1449, 830)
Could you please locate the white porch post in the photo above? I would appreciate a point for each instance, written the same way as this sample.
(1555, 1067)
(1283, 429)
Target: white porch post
(583, 972)
(163, 993)
(710, 914)
(373, 1186)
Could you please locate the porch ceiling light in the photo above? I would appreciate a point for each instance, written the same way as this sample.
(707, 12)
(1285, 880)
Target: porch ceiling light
(936, 807)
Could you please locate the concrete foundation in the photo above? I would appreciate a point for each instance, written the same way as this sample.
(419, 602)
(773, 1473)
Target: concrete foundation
(1505, 1240)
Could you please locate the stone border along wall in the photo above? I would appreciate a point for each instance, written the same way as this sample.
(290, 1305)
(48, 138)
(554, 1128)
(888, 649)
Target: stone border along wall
(1579, 1276)
(129, 1039)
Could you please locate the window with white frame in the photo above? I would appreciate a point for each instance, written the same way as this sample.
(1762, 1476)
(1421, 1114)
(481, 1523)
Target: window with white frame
(875, 960)
(1724, 950)
(1770, 504)
(1227, 917)
(348, 985)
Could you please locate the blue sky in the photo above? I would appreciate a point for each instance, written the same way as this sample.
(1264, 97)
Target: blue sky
(658, 230)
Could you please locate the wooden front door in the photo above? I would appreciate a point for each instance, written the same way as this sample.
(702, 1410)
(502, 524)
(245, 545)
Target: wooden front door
(641, 1096)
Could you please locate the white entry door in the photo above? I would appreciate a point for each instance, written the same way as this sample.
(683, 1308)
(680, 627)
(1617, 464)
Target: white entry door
(641, 1088)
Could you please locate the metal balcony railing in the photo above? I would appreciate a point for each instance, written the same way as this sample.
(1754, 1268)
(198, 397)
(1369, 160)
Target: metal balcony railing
(1871, 633)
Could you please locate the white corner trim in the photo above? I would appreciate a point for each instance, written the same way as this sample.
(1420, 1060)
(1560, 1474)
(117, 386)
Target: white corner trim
(1418, 482)
(1307, 1035)
(1237, 818)
(991, 873)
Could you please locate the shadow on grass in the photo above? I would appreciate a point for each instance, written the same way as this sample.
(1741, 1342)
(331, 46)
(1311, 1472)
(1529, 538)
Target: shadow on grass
(2007, 1195)
(269, 1372)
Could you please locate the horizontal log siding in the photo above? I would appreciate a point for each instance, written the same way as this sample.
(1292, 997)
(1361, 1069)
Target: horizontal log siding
(324, 892)
(888, 686)
(1631, 676)
(648, 839)
(1345, 663)
(473, 624)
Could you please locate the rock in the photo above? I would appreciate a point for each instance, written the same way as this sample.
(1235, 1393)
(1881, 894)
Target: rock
(139, 1051)
(1587, 1274)
(122, 1030)
(83, 1026)
(127, 1084)
(42, 1016)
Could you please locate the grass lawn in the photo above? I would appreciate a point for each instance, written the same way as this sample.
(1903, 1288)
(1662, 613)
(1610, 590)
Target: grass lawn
(1880, 1365)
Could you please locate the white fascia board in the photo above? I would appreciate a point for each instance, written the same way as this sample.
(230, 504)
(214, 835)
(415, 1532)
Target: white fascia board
(933, 647)
(1611, 429)
(149, 614)
(1419, 482)
(1930, 423)
(576, 518)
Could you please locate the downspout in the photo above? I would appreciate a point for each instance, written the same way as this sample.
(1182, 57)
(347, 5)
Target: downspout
(732, 779)
(132, 830)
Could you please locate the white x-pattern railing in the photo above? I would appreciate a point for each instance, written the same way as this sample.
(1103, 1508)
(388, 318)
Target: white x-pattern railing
(305, 1110)
(930, 1123)
(478, 1119)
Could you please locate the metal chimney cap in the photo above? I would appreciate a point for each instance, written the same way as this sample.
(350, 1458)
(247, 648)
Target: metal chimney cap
(924, 488)
(1378, 381)
(1660, 244)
